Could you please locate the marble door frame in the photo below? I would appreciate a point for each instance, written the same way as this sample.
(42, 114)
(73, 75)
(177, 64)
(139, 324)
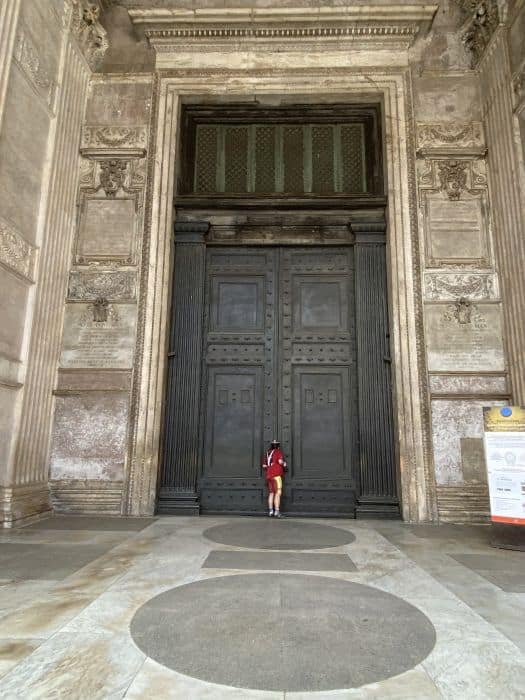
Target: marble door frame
(410, 391)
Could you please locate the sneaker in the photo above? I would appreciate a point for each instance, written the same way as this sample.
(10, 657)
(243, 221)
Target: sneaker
(278, 514)
(270, 513)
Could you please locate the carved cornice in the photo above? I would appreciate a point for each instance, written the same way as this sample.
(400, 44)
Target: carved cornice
(16, 253)
(444, 286)
(105, 141)
(167, 29)
(480, 27)
(444, 139)
(88, 32)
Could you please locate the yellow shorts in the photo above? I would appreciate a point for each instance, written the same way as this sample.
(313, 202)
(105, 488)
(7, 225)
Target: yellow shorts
(275, 484)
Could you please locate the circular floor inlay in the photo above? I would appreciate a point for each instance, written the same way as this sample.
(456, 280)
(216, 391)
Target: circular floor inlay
(268, 533)
(285, 632)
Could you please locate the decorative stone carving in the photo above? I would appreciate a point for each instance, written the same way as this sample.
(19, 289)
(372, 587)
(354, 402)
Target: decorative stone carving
(15, 252)
(454, 211)
(109, 140)
(27, 57)
(89, 33)
(449, 384)
(87, 174)
(89, 286)
(453, 177)
(450, 138)
(112, 176)
(483, 22)
(100, 310)
(465, 313)
(452, 286)
(518, 84)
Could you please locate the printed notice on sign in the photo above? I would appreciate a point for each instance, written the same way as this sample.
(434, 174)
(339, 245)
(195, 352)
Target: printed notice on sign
(505, 457)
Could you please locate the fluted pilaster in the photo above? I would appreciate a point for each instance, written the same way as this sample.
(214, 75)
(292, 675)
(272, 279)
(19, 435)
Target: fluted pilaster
(507, 203)
(58, 216)
(9, 10)
(180, 467)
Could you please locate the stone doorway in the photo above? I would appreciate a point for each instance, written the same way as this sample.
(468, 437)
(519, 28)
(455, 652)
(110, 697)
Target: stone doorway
(279, 314)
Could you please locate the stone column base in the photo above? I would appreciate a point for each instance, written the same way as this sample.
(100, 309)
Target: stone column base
(21, 504)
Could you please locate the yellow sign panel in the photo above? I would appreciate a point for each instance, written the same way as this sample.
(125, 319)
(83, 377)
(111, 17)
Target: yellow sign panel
(508, 419)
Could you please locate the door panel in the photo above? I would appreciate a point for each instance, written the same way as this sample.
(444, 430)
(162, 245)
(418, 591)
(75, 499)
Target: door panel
(320, 439)
(318, 400)
(233, 438)
(238, 377)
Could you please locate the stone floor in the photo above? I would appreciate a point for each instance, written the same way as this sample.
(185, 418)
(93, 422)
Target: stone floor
(258, 608)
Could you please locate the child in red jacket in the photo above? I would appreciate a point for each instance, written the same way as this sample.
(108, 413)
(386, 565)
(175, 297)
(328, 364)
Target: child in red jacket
(275, 466)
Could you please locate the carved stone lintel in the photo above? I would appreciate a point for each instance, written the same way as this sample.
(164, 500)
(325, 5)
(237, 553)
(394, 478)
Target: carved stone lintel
(453, 177)
(15, 252)
(89, 33)
(102, 141)
(444, 286)
(481, 26)
(449, 139)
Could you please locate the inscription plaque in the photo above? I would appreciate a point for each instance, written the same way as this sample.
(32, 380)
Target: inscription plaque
(99, 344)
(470, 347)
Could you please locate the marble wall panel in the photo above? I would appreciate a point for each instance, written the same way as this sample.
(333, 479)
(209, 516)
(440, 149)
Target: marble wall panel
(107, 229)
(124, 103)
(452, 97)
(458, 344)
(13, 295)
(457, 432)
(90, 343)
(89, 436)
(23, 151)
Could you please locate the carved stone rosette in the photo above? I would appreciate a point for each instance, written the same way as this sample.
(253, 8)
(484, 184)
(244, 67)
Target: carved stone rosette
(88, 32)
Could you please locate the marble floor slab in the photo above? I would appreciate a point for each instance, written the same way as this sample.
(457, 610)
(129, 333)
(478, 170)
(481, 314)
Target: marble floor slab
(68, 633)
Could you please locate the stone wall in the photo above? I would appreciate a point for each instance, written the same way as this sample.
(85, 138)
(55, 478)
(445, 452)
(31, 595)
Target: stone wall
(47, 56)
(85, 218)
(88, 459)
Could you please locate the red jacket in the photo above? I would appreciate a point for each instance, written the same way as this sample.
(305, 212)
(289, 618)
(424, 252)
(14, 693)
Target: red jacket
(274, 463)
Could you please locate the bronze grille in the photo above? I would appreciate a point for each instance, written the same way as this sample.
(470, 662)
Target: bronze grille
(280, 159)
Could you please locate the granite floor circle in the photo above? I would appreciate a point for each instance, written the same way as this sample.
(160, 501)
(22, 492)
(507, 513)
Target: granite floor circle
(283, 632)
(270, 533)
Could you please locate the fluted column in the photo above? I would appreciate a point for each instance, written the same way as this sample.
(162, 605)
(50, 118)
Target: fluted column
(378, 487)
(9, 11)
(507, 203)
(180, 462)
(30, 473)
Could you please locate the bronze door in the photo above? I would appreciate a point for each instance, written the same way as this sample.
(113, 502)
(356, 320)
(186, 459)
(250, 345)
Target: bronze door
(279, 360)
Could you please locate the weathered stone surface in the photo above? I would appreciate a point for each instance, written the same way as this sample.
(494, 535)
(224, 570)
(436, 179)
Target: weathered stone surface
(471, 346)
(126, 103)
(452, 422)
(13, 293)
(468, 384)
(89, 436)
(99, 344)
(441, 286)
(107, 229)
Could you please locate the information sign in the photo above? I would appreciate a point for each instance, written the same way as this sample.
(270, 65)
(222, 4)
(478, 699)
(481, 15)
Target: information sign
(504, 439)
